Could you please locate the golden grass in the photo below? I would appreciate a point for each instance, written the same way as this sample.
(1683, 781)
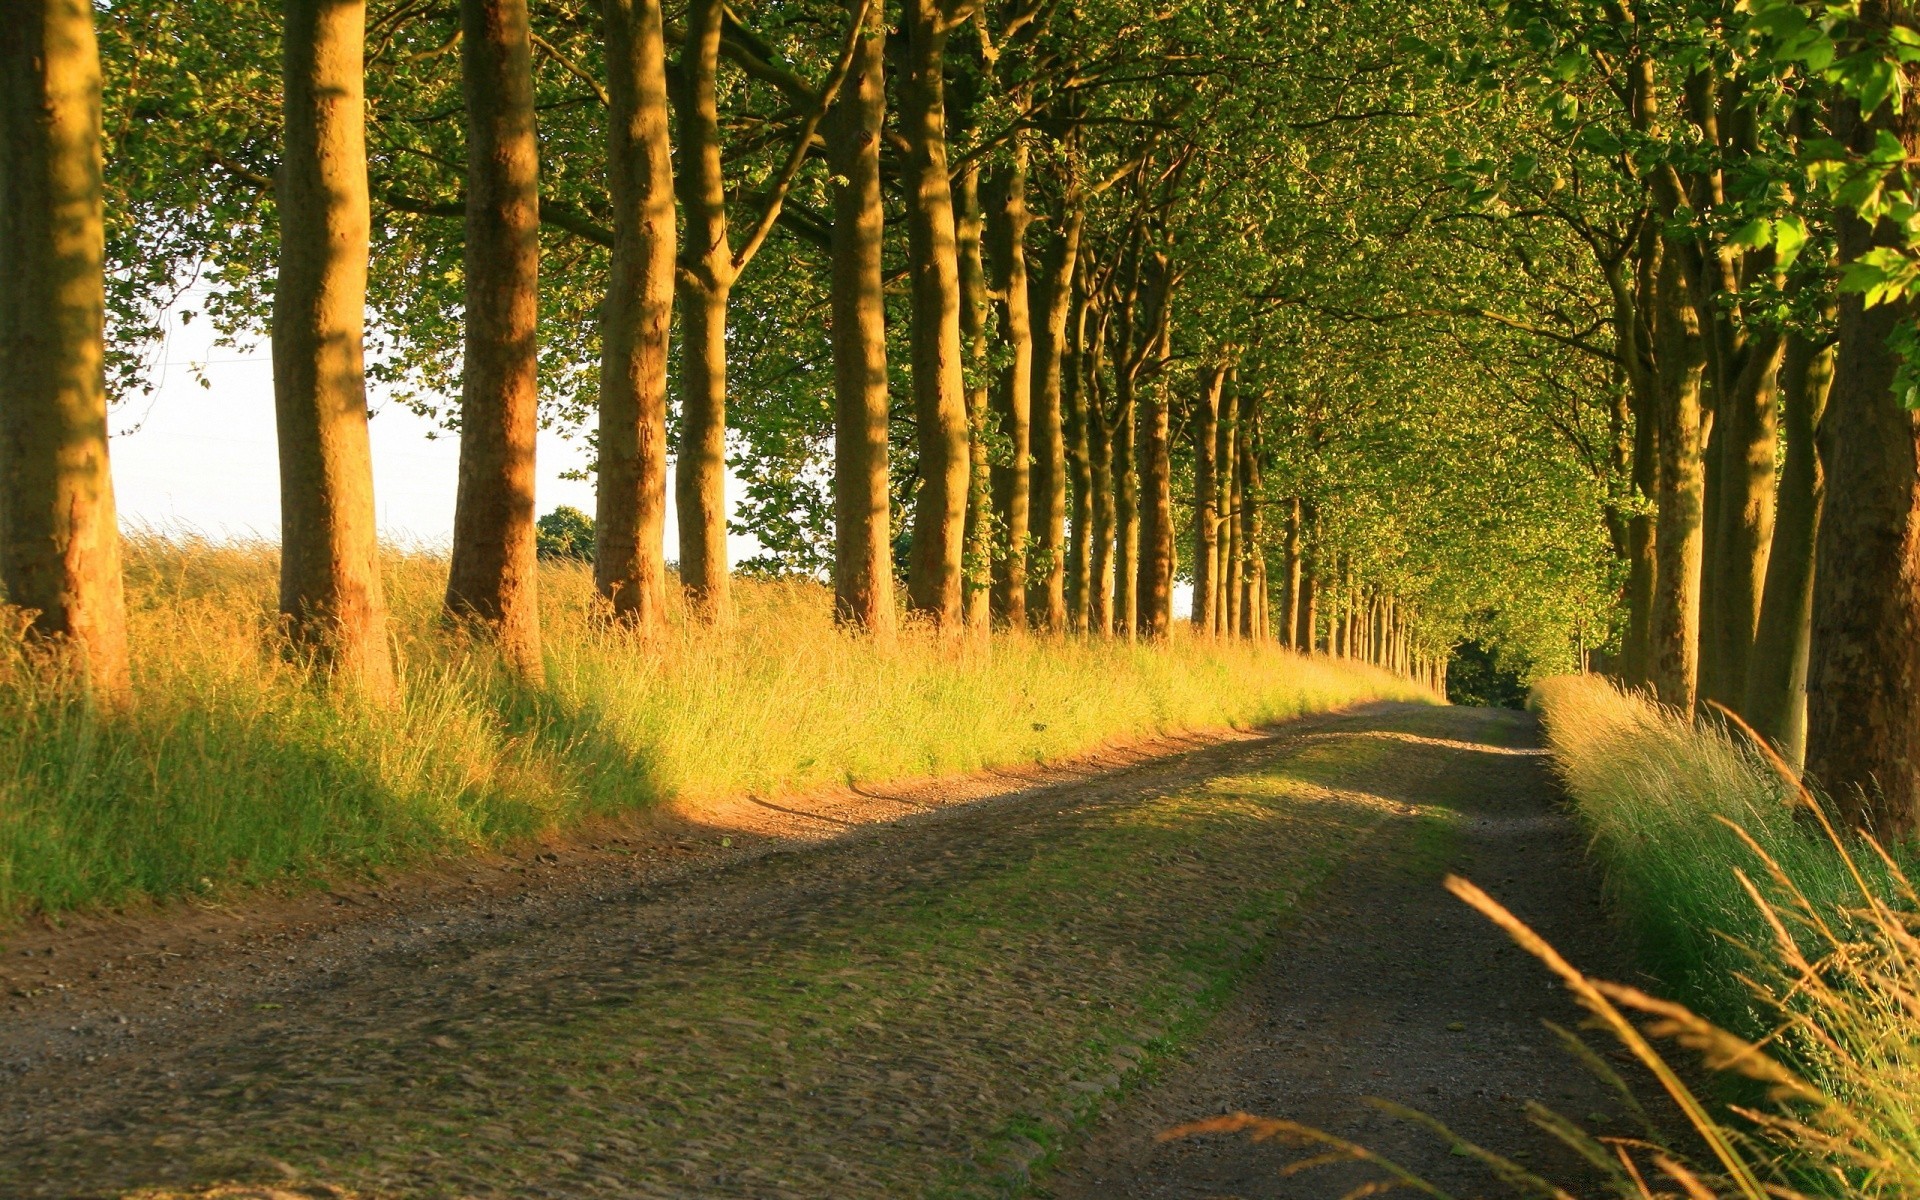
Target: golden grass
(232, 768)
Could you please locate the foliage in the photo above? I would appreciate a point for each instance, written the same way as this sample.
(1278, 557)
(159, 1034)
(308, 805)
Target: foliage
(564, 533)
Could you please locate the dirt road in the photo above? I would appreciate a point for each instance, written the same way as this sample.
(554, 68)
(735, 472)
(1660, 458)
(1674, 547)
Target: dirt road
(979, 1000)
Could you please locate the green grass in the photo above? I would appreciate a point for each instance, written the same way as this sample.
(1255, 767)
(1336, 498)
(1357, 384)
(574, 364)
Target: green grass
(233, 770)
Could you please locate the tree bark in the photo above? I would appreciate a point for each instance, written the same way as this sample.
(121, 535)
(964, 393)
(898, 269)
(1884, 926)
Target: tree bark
(1227, 454)
(1007, 220)
(1253, 604)
(1079, 457)
(1290, 594)
(863, 539)
(330, 592)
(934, 577)
(1863, 690)
(1206, 502)
(629, 529)
(1776, 695)
(1126, 508)
(1156, 564)
(969, 230)
(492, 578)
(705, 277)
(1053, 302)
(59, 539)
(1679, 531)
(1637, 644)
(1748, 427)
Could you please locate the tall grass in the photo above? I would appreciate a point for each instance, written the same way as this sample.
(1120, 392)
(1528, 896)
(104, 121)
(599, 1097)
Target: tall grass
(231, 768)
(1804, 936)
(1797, 937)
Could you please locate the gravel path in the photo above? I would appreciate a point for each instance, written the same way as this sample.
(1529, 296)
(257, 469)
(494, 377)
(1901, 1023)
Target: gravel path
(937, 1005)
(1393, 989)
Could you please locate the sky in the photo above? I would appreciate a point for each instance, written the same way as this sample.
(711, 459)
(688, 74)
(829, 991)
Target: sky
(189, 459)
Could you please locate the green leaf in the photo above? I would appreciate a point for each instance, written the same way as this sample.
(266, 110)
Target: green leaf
(1753, 235)
(1789, 237)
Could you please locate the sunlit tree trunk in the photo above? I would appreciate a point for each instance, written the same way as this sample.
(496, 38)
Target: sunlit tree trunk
(1105, 515)
(59, 540)
(705, 277)
(862, 561)
(969, 228)
(1007, 220)
(1746, 421)
(1253, 601)
(1048, 572)
(1206, 501)
(1679, 531)
(491, 581)
(1863, 687)
(1776, 698)
(1227, 454)
(330, 593)
(934, 576)
(1290, 587)
(629, 529)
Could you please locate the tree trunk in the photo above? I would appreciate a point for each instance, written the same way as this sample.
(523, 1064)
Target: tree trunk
(629, 528)
(1863, 690)
(939, 390)
(1253, 604)
(1747, 423)
(1206, 502)
(1156, 513)
(330, 577)
(1006, 239)
(330, 593)
(1105, 516)
(1290, 593)
(492, 578)
(863, 539)
(1636, 650)
(969, 226)
(705, 277)
(1080, 468)
(59, 539)
(1227, 454)
(1776, 697)
(1679, 532)
(1053, 303)
(1126, 506)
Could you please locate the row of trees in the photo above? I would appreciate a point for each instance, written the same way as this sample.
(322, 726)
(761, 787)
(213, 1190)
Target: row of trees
(1739, 178)
(1383, 325)
(1042, 272)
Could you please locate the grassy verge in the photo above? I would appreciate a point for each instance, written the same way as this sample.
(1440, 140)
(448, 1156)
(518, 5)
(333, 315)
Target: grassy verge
(1765, 921)
(232, 769)
(938, 1029)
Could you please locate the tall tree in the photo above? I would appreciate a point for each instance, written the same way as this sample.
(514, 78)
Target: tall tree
(1007, 220)
(1863, 689)
(629, 565)
(59, 541)
(939, 390)
(492, 577)
(330, 591)
(862, 562)
(1206, 501)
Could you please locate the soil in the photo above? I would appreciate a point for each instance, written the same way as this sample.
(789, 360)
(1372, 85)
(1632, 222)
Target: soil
(618, 1017)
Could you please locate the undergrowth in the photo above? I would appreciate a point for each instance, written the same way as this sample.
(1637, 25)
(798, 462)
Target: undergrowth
(231, 768)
